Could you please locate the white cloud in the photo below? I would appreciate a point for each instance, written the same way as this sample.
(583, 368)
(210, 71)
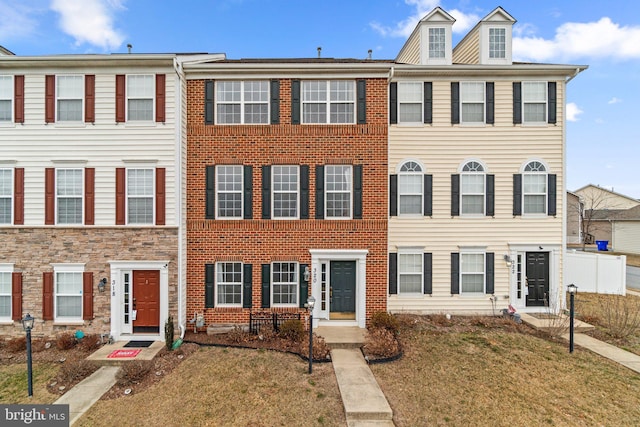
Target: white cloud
(405, 27)
(90, 21)
(573, 112)
(601, 39)
(614, 100)
(16, 20)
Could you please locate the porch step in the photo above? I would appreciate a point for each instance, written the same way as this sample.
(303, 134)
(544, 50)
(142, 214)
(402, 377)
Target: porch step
(341, 336)
(101, 356)
(546, 324)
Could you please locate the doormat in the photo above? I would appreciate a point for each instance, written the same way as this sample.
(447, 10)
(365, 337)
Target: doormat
(120, 354)
(138, 344)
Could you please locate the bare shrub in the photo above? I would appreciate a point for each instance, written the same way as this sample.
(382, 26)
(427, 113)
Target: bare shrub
(133, 372)
(320, 348)
(440, 319)
(555, 322)
(17, 345)
(381, 342)
(66, 341)
(382, 319)
(292, 329)
(76, 370)
(90, 342)
(620, 315)
(238, 334)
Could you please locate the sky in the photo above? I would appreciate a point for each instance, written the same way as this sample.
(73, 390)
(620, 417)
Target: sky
(603, 102)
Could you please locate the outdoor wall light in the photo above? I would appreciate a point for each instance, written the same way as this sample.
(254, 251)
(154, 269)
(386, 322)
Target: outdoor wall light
(306, 275)
(508, 260)
(102, 284)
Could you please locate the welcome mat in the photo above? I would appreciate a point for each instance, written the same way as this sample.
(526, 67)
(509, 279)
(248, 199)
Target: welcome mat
(120, 354)
(138, 344)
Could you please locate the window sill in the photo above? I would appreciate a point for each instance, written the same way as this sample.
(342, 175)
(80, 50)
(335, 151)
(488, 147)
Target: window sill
(534, 216)
(70, 125)
(472, 295)
(7, 322)
(141, 124)
(8, 124)
(411, 296)
(68, 323)
(534, 124)
(412, 124)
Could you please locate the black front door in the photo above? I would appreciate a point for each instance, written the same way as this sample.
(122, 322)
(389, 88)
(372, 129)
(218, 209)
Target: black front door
(343, 287)
(537, 278)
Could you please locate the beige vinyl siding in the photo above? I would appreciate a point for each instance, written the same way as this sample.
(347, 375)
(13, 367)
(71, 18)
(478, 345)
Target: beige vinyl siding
(104, 145)
(468, 50)
(626, 236)
(411, 50)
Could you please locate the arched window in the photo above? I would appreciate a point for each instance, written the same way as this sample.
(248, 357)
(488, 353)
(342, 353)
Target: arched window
(534, 188)
(410, 188)
(472, 189)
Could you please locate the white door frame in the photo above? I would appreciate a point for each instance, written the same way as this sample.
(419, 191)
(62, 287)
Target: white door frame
(555, 254)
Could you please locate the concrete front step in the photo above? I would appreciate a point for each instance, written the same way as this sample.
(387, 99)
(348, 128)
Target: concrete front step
(344, 337)
(370, 423)
(546, 324)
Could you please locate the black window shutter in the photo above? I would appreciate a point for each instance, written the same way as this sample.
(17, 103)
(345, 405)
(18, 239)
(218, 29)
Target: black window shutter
(248, 192)
(209, 100)
(266, 192)
(247, 285)
(490, 116)
(455, 195)
(517, 103)
(491, 195)
(455, 103)
(266, 285)
(428, 195)
(428, 102)
(304, 286)
(319, 192)
(455, 273)
(210, 197)
(489, 261)
(393, 195)
(427, 273)
(393, 273)
(209, 285)
(304, 191)
(357, 191)
(517, 194)
(551, 195)
(361, 87)
(393, 103)
(275, 102)
(552, 102)
(295, 102)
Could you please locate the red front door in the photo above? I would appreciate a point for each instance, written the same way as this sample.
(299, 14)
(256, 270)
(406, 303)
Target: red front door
(146, 299)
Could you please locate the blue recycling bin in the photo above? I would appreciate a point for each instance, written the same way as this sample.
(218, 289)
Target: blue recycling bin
(602, 244)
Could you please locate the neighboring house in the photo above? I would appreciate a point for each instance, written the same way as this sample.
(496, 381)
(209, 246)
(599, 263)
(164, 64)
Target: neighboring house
(574, 218)
(476, 165)
(625, 236)
(287, 188)
(91, 199)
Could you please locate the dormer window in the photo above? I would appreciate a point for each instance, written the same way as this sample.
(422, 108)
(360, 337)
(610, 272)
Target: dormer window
(497, 43)
(437, 43)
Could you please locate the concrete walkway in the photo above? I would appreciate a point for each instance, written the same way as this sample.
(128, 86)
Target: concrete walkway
(623, 357)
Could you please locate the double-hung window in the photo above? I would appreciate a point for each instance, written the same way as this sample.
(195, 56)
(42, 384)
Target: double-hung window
(437, 43)
(472, 273)
(140, 196)
(140, 97)
(242, 102)
(284, 284)
(534, 102)
(229, 184)
(286, 194)
(534, 188)
(472, 102)
(6, 99)
(339, 187)
(497, 43)
(410, 100)
(472, 189)
(6, 195)
(229, 283)
(69, 196)
(410, 273)
(69, 98)
(5, 295)
(328, 101)
(410, 188)
(68, 292)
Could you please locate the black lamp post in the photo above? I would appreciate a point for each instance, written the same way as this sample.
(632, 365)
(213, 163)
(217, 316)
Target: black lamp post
(310, 303)
(572, 292)
(27, 324)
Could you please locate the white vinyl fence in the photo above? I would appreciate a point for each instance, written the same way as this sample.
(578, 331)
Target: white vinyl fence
(596, 272)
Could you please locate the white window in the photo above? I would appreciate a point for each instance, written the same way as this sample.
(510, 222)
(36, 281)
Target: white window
(6, 196)
(410, 100)
(472, 189)
(534, 188)
(410, 273)
(534, 102)
(328, 101)
(284, 283)
(437, 43)
(229, 181)
(6, 98)
(338, 185)
(472, 100)
(5, 295)
(68, 291)
(140, 196)
(229, 283)
(140, 97)
(410, 188)
(285, 192)
(69, 98)
(242, 102)
(497, 43)
(472, 274)
(69, 196)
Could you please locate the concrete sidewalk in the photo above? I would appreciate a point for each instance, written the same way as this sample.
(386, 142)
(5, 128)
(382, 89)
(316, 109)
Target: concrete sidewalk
(623, 357)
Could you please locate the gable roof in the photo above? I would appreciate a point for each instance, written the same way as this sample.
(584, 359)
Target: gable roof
(613, 193)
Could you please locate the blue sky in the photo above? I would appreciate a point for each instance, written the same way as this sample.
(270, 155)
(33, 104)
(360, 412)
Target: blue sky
(603, 130)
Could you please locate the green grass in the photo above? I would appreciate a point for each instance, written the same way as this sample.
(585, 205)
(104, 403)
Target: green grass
(13, 383)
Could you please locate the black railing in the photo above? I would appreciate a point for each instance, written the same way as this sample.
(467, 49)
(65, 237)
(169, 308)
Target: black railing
(268, 319)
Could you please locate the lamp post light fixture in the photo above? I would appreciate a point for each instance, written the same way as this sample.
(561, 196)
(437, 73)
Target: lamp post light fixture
(572, 293)
(310, 303)
(27, 324)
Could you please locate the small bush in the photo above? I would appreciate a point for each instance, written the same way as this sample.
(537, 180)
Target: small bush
(168, 333)
(77, 370)
(381, 342)
(238, 334)
(17, 345)
(620, 315)
(90, 342)
(382, 319)
(38, 345)
(133, 372)
(66, 341)
(292, 330)
(320, 348)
